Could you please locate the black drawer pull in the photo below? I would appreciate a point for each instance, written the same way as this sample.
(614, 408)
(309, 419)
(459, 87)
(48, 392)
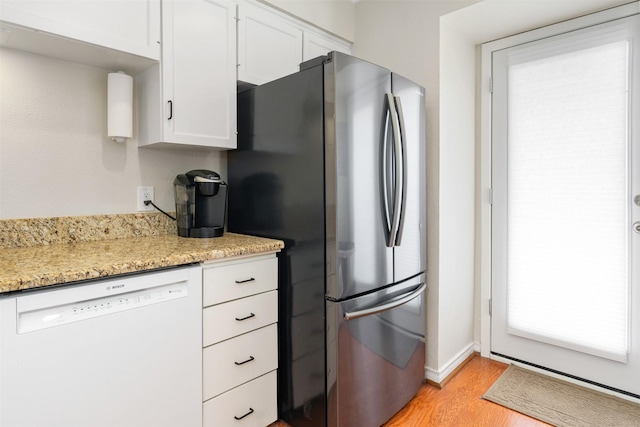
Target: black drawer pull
(245, 415)
(246, 317)
(245, 281)
(246, 361)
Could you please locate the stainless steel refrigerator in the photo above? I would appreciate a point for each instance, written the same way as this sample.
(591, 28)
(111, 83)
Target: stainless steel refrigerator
(331, 160)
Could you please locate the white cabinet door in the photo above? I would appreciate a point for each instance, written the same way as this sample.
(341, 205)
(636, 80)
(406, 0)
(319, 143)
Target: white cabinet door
(317, 45)
(127, 26)
(196, 81)
(269, 45)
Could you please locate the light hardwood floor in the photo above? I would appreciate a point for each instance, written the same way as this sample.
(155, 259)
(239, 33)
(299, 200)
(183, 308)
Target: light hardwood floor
(459, 403)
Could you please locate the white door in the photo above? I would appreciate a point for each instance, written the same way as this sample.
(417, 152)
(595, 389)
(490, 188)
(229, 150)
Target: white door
(566, 169)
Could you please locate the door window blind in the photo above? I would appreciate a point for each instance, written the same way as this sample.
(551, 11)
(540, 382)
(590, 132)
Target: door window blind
(568, 184)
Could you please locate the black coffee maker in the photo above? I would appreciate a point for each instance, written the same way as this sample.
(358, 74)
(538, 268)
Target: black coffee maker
(201, 203)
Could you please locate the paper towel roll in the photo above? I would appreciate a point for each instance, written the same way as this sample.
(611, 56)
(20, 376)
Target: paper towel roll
(119, 106)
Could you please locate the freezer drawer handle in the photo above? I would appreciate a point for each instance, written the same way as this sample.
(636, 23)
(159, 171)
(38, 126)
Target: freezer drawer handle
(385, 307)
(245, 317)
(245, 415)
(251, 358)
(245, 281)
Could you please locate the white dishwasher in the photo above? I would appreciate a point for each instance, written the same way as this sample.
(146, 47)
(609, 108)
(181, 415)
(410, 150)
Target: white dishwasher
(116, 352)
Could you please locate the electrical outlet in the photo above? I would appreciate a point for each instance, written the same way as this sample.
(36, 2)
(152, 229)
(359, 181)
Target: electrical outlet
(145, 193)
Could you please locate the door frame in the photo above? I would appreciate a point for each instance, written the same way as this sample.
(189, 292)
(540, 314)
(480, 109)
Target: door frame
(484, 196)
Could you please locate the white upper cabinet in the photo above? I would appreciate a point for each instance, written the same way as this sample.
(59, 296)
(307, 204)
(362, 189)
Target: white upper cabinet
(131, 27)
(272, 44)
(190, 98)
(269, 46)
(317, 45)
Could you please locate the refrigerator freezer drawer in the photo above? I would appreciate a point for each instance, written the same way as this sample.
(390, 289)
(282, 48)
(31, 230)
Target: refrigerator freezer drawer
(375, 362)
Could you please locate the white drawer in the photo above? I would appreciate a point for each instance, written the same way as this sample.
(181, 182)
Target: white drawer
(238, 360)
(224, 321)
(255, 400)
(238, 280)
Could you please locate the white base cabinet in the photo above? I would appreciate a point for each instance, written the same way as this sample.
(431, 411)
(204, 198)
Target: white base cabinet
(189, 99)
(240, 342)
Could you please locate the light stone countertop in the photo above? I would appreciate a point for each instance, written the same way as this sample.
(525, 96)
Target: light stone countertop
(39, 265)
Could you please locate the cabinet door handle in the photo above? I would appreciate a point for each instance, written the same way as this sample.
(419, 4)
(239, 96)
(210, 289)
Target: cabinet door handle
(245, 415)
(251, 358)
(246, 317)
(170, 110)
(245, 281)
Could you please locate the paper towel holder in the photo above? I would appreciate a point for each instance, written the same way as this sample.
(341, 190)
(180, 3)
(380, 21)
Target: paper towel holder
(119, 106)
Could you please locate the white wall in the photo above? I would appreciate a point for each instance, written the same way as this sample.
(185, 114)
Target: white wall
(457, 197)
(55, 158)
(405, 36)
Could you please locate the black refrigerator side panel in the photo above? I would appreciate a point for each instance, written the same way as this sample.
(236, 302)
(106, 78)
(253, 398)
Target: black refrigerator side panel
(276, 190)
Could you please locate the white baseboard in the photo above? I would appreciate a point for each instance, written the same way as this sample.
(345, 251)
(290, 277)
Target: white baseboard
(440, 374)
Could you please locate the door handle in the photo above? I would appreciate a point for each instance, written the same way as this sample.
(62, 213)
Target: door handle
(385, 168)
(403, 162)
(636, 227)
(396, 171)
(636, 199)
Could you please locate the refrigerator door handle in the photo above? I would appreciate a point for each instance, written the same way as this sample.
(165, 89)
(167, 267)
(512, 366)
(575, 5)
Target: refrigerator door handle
(403, 162)
(396, 172)
(384, 170)
(385, 307)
